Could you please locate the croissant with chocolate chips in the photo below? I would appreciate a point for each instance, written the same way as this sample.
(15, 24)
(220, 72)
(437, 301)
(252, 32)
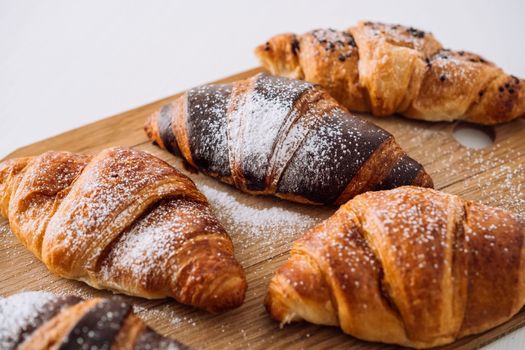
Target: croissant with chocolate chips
(268, 135)
(387, 69)
(410, 266)
(45, 321)
(122, 220)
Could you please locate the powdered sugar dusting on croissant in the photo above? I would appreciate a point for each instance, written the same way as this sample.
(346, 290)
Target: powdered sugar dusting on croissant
(19, 313)
(124, 178)
(211, 101)
(94, 229)
(150, 247)
(40, 320)
(282, 137)
(255, 123)
(409, 266)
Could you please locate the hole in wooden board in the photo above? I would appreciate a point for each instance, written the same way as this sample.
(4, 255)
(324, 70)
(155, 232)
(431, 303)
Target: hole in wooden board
(474, 135)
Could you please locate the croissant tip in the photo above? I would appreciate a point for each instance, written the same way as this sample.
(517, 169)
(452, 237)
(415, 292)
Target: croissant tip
(229, 296)
(213, 282)
(148, 125)
(274, 302)
(424, 180)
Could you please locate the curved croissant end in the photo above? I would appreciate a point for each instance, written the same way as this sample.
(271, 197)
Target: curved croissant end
(409, 266)
(305, 298)
(8, 173)
(279, 56)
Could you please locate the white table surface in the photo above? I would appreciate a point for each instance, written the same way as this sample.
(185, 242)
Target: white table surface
(67, 63)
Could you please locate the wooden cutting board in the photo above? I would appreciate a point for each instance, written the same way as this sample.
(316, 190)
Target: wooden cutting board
(263, 229)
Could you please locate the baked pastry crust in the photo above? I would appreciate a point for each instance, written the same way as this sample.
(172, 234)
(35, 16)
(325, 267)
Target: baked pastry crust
(122, 220)
(387, 69)
(45, 321)
(410, 266)
(269, 135)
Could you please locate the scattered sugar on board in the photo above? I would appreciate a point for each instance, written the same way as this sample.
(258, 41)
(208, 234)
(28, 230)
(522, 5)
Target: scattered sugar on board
(78, 289)
(261, 222)
(493, 176)
(168, 314)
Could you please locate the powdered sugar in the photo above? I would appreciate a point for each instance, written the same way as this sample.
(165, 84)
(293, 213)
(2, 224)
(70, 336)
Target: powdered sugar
(493, 176)
(18, 314)
(255, 124)
(207, 106)
(257, 220)
(163, 312)
(148, 249)
(400, 35)
(107, 188)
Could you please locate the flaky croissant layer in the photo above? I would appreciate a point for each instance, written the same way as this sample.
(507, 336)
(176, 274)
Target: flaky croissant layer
(122, 220)
(387, 69)
(409, 266)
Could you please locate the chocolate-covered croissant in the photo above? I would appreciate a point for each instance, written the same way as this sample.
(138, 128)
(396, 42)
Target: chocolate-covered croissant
(276, 136)
(45, 321)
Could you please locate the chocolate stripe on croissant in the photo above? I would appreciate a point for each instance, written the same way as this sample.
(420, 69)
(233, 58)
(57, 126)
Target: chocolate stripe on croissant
(98, 327)
(282, 137)
(166, 129)
(67, 322)
(405, 169)
(339, 146)
(19, 318)
(208, 140)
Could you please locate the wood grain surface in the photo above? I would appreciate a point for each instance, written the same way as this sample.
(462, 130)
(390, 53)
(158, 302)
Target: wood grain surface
(263, 234)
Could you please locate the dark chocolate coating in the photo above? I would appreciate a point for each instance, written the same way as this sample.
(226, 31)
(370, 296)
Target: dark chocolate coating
(205, 125)
(275, 135)
(166, 129)
(403, 173)
(263, 115)
(48, 310)
(330, 156)
(99, 327)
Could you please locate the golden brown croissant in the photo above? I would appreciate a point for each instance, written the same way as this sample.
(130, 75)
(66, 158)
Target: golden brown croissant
(122, 220)
(276, 136)
(389, 69)
(44, 321)
(410, 266)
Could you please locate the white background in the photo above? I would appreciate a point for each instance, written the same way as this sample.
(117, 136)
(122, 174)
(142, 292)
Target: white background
(67, 63)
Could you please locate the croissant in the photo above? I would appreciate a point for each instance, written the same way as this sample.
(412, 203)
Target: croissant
(387, 69)
(275, 136)
(45, 321)
(122, 220)
(410, 266)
